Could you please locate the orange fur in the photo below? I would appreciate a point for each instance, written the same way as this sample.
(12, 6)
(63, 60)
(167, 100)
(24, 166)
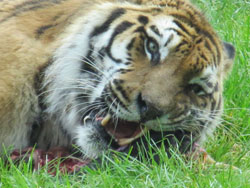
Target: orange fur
(31, 31)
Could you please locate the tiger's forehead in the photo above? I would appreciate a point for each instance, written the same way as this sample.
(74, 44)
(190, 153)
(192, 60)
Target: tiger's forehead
(162, 27)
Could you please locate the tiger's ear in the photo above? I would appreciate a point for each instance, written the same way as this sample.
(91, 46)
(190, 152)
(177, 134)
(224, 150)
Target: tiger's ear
(229, 54)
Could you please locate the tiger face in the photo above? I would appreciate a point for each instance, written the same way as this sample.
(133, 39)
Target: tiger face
(136, 68)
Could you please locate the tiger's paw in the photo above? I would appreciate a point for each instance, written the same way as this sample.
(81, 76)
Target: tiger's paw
(201, 155)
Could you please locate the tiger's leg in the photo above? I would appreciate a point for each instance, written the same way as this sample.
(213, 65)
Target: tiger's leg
(50, 135)
(18, 110)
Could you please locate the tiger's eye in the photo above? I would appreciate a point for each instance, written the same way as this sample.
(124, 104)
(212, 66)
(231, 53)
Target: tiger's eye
(152, 46)
(197, 89)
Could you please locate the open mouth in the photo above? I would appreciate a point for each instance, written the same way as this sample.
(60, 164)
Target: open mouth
(123, 132)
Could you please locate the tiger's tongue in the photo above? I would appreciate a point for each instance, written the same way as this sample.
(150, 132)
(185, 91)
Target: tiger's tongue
(123, 132)
(123, 129)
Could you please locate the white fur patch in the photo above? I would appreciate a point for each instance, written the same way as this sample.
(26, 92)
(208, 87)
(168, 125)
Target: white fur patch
(64, 79)
(84, 139)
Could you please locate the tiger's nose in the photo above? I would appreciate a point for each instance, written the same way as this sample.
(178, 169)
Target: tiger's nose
(147, 110)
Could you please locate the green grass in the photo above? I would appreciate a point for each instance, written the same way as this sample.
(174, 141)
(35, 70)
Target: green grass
(231, 143)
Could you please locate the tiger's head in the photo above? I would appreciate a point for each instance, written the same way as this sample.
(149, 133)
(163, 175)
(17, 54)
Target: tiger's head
(138, 67)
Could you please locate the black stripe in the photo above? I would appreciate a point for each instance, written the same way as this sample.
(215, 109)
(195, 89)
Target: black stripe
(143, 19)
(122, 92)
(39, 77)
(141, 29)
(88, 61)
(118, 30)
(42, 29)
(118, 86)
(213, 103)
(175, 30)
(203, 57)
(207, 45)
(101, 53)
(16, 13)
(186, 20)
(169, 40)
(155, 30)
(115, 14)
(127, 63)
(216, 87)
(180, 25)
(199, 41)
(124, 71)
(37, 2)
(196, 65)
(112, 92)
(198, 30)
(211, 38)
(110, 100)
(204, 78)
(30, 5)
(118, 81)
(129, 59)
(130, 45)
(105, 26)
(202, 123)
(209, 84)
(177, 48)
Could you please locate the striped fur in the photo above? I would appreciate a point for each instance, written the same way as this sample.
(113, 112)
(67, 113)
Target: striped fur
(63, 59)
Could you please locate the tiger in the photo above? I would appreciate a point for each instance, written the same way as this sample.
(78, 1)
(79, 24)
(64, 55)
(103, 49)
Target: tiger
(99, 75)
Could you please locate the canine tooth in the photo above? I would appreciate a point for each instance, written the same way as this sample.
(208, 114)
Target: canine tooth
(85, 119)
(106, 120)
